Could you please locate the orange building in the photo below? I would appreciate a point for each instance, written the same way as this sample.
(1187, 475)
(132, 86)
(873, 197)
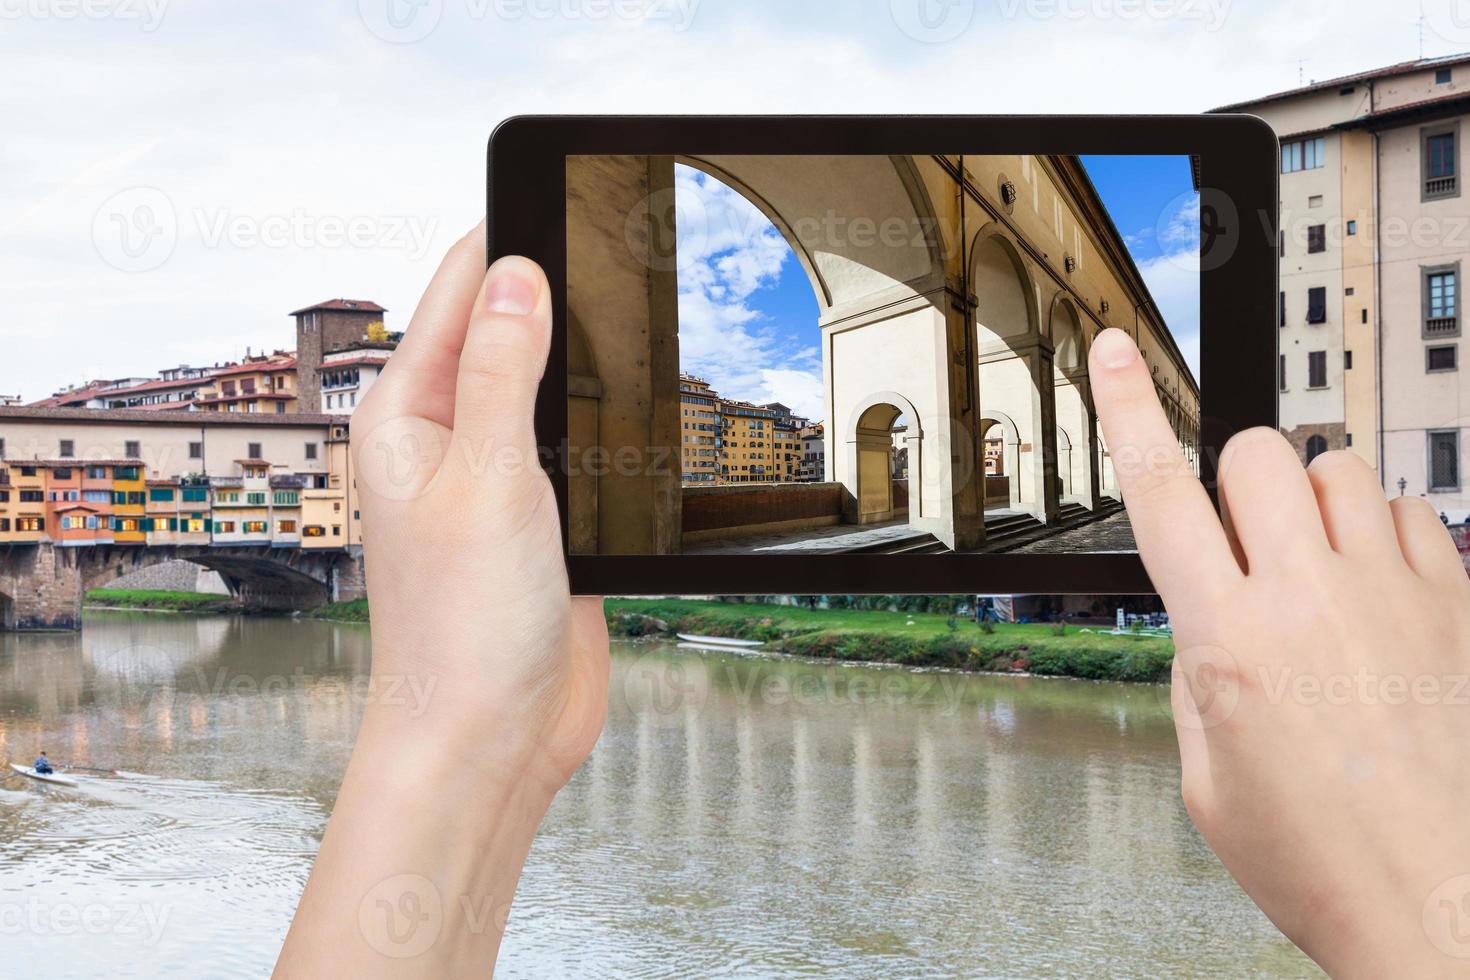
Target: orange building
(258, 385)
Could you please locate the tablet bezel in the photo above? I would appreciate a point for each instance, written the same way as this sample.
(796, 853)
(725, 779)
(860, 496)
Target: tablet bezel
(1238, 160)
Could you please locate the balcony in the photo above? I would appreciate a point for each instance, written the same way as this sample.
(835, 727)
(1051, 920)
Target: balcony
(1441, 326)
(1440, 186)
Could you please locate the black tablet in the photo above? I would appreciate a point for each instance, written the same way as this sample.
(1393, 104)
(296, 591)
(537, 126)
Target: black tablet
(849, 354)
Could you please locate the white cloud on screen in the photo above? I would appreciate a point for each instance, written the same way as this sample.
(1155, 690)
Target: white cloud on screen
(1173, 276)
(728, 253)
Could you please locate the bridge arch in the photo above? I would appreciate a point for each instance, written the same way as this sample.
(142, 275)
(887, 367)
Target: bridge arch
(1077, 461)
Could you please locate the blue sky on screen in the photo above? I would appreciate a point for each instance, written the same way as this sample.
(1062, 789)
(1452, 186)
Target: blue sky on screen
(748, 319)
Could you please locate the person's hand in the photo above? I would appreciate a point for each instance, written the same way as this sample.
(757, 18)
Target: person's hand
(1320, 682)
(489, 682)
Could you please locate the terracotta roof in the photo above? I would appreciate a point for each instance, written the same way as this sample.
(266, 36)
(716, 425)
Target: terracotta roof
(76, 505)
(133, 415)
(1402, 68)
(282, 363)
(347, 305)
(1407, 109)
(254, 462)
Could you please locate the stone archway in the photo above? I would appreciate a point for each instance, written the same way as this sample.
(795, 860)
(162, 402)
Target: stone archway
(1014, 364)
(1077, 468)
(1010, 460)
(870, 444)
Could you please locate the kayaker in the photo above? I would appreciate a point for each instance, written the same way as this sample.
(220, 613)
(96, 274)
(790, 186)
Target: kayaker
(43, 764)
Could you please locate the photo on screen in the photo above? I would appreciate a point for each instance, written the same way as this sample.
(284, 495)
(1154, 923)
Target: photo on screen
(786, 356)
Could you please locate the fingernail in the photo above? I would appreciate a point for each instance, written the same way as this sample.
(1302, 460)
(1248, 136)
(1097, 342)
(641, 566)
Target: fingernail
(1114, 349)
(512, 288)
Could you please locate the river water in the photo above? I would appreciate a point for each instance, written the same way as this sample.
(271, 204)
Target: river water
(742, 816)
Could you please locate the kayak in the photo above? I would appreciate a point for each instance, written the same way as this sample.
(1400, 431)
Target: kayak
(720, 641)
(45, 777)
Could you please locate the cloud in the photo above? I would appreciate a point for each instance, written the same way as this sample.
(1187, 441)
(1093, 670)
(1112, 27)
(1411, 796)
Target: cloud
(728, 253)
(1173, 277)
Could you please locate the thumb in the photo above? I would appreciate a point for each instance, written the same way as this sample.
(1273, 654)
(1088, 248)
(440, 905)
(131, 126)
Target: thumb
(500, 368)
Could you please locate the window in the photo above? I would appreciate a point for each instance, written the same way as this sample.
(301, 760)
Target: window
(132, 449)
(1317, 304)
(1444, 76)
(1444, 460)
(1283, 310)
(255, 527)
(311, 450)
(255, 498)
(1347, 360)
(313, 531)
(4, 523)
(96, 473)
(194, 495)
(1281, 245)
(125, 472)
(1440, 168)
(1316, 239)
(196, 450)
(1442, 301)
(2, 448)
(61, 473)
(1441, 358)
(1315, 201)
(30, 523)
(336, 530)
(1281, 372)
(32, 497)
(287, 498)
(224, 527)
(1317, 369)
(285, 527)
(68, 448)
(1303, 155)
(160, 495)
(253, 450)
(1352, 227)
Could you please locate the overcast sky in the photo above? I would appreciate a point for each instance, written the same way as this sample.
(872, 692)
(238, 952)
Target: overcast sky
(178, 176)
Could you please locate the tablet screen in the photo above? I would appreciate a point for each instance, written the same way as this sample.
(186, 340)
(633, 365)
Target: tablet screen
(871, 355)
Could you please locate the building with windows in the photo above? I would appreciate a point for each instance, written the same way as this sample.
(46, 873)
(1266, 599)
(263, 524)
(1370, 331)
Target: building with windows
(1372, 247)
(334, 325)
(346, 375)
(724, 441)
(79, 477)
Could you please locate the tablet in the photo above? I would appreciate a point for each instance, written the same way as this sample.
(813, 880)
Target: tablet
(849, 354)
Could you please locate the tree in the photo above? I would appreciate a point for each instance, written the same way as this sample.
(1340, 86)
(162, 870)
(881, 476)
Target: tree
(376, 332)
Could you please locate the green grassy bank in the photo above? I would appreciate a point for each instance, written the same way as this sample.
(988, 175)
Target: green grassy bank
(886, 637)
(180, 602)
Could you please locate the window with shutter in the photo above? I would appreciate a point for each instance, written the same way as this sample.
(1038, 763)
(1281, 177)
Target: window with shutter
(1317, 369)
(1444, 460)
(1317, 304)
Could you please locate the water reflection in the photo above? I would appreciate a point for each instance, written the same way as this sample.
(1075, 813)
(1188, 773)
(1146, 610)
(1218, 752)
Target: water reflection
(740, 816)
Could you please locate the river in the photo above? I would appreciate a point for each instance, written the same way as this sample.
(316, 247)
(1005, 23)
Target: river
(742, 816)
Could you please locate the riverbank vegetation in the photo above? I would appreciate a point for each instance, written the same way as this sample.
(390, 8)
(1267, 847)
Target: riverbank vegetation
(201, 603)
(919, 639)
